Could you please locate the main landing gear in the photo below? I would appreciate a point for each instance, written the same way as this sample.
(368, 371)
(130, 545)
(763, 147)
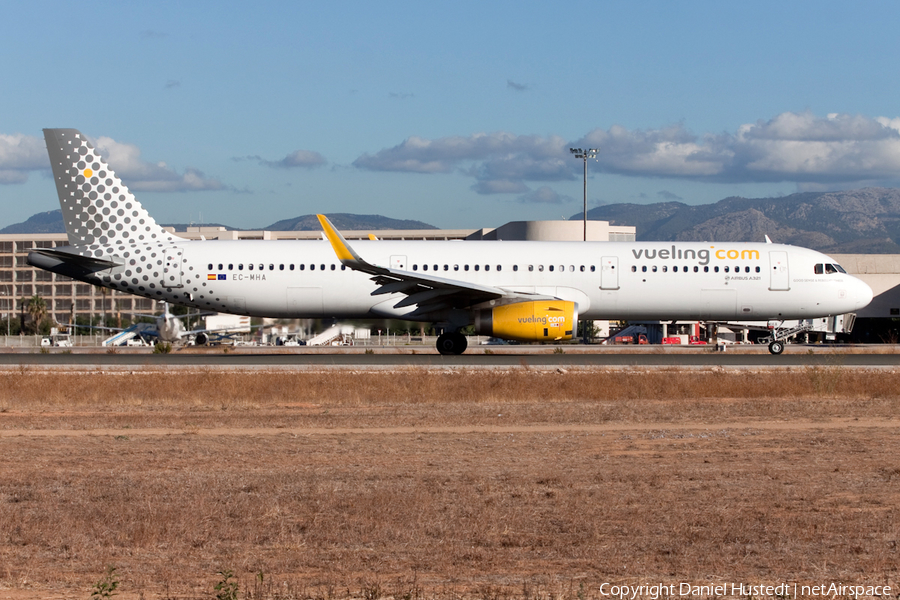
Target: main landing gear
(776, 347)
(452, 343)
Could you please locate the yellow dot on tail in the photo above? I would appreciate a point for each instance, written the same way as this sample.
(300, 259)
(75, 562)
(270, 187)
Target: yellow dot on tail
(88, 173)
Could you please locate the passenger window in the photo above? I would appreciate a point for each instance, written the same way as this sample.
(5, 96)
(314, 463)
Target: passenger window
(250, 266)
(499, 267)
(654, 268)
(281, 267)
(696, 269)
(415, 267)
(593, 268)
(292, 266)
(333, 267)
(706, 269)
(456, 267)
(435, 267)
(302, 267)
(674, 269)
(562, 268)
(487, 267)
(644, 268)
(220, 266)
(551, 268)
(210, 267)
(515, 267)
(582, 268)
(716, 269)
(634, 268)
(531, 267)
(271, 267)
(240, 267)
(757, 269)
(446, 267)
(465, 267)
(665, 269)
(424, 267)
(312, 267)
(477, 267)
(321, 267)
(231, 267)
(726, 269)
(262, 267)
(540, 268)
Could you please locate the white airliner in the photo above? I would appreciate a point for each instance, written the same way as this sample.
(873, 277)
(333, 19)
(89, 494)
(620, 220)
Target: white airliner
(169, 328)
(527, 291)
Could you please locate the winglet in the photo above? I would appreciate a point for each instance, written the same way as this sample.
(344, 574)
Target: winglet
(768, 241)
(341, 247)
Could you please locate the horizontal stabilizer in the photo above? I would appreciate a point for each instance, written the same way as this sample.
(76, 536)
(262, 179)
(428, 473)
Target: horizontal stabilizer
(38, 258)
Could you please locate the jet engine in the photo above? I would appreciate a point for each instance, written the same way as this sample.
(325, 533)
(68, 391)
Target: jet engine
(201, 339)
(536, 321)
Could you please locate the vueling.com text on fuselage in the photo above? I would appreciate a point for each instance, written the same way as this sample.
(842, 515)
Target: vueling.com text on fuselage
(701, 256)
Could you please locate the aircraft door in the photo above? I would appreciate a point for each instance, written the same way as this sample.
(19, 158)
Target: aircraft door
(609, 273)
(398, 262)
(173, 272)
(779, 273)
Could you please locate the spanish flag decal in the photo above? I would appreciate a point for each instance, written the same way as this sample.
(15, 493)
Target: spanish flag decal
(211, 277)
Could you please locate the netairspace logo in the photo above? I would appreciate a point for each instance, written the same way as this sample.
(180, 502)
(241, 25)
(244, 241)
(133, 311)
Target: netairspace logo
(745, 590)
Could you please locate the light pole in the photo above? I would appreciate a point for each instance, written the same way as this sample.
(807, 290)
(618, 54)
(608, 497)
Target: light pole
(585, 155)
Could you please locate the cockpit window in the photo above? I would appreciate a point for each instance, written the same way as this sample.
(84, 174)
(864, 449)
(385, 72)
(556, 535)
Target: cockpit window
(828, 269)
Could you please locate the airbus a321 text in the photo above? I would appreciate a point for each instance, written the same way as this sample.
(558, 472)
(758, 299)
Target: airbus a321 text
(527, 291)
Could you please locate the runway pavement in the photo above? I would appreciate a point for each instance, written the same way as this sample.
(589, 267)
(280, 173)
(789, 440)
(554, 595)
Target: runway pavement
(300, 360)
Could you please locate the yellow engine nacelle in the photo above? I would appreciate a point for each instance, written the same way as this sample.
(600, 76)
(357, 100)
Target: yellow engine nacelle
(537, 321)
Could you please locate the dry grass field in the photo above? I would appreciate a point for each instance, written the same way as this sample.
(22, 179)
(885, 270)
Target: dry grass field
(418, 484)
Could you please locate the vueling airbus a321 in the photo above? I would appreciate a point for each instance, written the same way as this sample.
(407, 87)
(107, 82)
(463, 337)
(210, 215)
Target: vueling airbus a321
(527, 291)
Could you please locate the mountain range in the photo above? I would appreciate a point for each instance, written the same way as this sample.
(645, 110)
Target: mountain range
(865, 221)
(52, 222)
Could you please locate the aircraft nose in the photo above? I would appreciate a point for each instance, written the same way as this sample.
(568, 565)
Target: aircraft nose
(862, 294)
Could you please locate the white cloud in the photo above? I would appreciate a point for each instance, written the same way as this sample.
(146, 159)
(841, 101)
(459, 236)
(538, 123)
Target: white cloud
(500, 162)
(500, 186)
(795, 147)
(544, 195)
(125, 160)
(306, 159)
(20, 154)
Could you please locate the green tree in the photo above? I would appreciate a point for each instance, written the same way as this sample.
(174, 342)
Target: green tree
(37, 311)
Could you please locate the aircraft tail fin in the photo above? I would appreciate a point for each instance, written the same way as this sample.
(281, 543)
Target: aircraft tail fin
(97, 208)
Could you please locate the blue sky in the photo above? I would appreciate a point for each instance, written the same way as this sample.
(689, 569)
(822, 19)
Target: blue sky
(459, 114)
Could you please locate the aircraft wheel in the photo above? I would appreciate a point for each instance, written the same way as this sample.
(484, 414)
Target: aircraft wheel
(451, 343)
(776, 347)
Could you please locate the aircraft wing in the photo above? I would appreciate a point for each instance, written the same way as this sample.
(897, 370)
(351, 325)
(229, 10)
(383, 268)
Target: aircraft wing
(427, 292)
